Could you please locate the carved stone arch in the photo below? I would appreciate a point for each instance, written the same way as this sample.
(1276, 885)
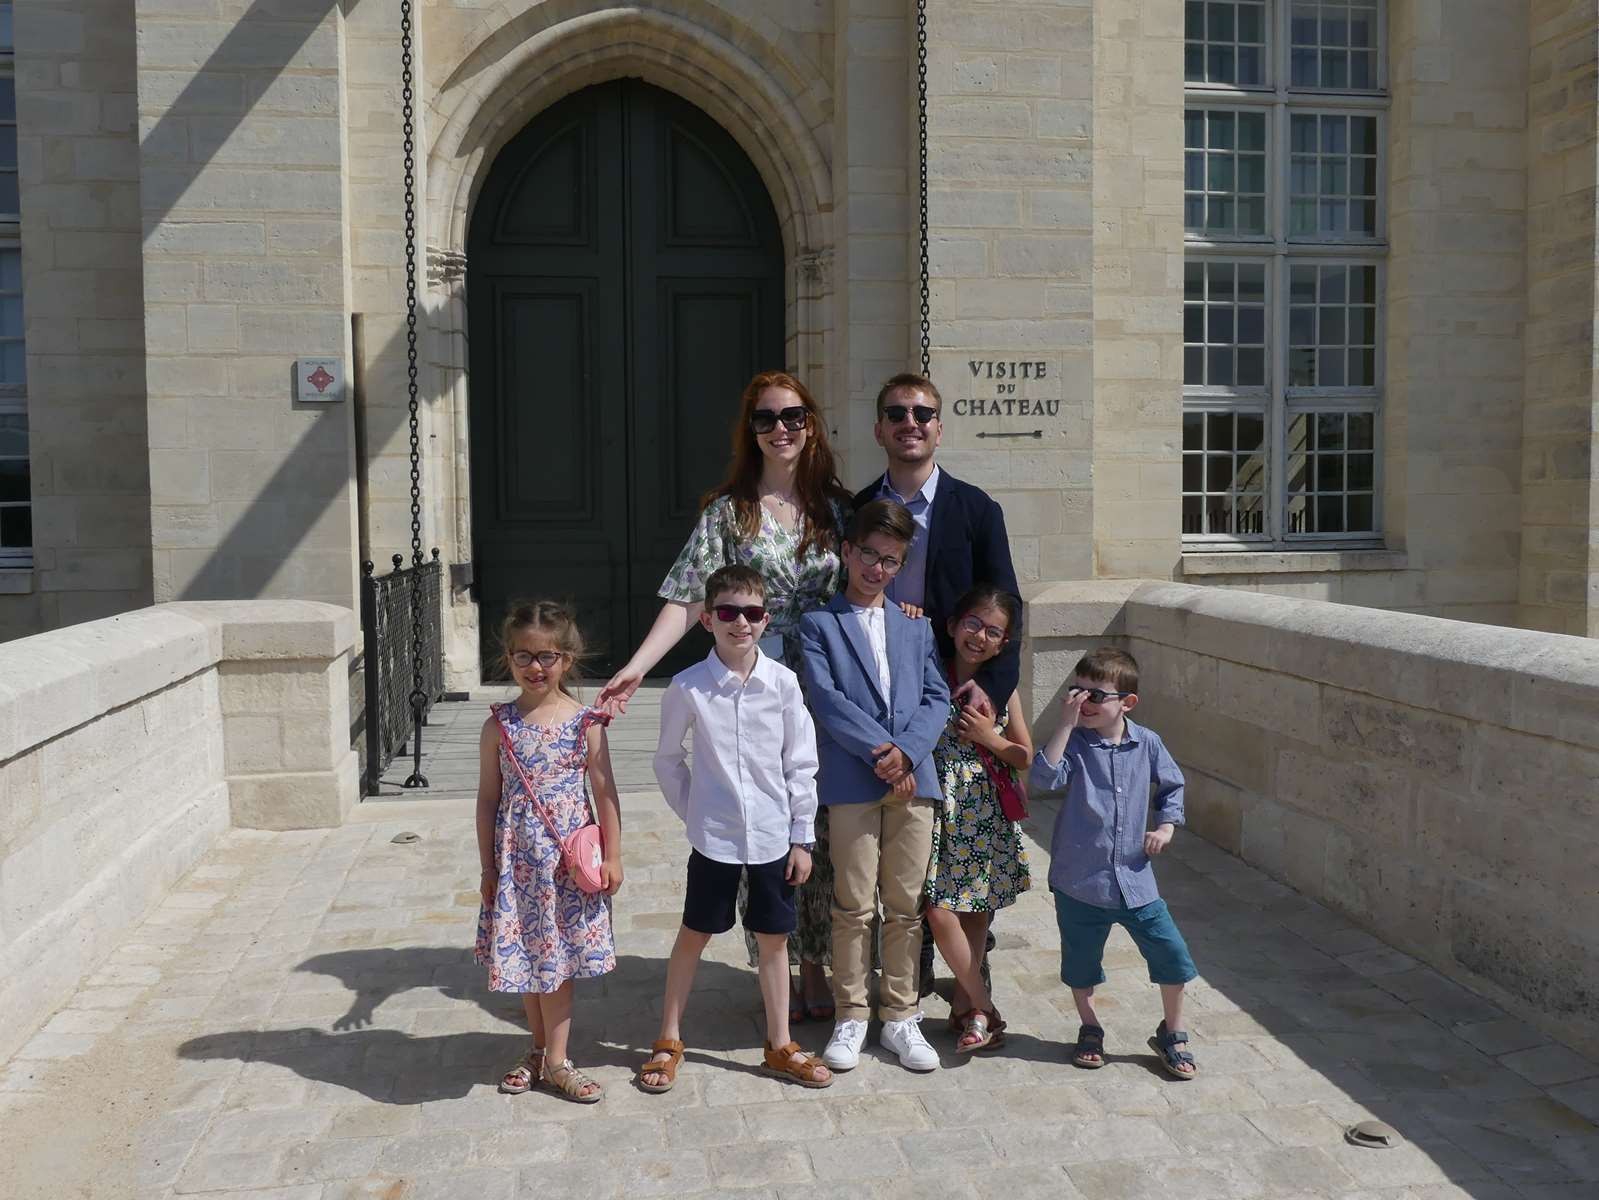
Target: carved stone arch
(509, 78)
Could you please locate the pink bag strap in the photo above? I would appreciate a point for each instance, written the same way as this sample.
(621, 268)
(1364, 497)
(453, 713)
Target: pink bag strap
(538, 805)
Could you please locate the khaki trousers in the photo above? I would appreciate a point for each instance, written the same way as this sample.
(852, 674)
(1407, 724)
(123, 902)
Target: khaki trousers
(879, 849)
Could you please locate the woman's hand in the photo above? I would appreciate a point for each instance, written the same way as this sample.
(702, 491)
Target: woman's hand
(613, 697)
(611, 875)
(488, 884)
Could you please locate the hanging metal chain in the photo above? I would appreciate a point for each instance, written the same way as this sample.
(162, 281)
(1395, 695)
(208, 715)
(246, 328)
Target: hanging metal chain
(921, 130)
(408, 127)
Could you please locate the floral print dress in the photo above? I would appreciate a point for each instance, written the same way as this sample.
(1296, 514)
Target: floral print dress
(794, 587)
(979, 863)
(543, 929)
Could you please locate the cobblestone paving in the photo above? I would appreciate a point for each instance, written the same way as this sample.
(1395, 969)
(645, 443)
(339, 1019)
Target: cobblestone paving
(301, 1020)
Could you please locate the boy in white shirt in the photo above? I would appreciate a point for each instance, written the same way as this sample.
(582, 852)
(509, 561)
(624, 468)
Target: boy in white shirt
(749, 806)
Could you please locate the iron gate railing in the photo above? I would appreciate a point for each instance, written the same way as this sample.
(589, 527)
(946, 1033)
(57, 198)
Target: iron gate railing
(387, 641)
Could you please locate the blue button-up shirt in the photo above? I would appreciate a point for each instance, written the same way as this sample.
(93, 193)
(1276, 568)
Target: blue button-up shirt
(1097, 850)
(910, 585)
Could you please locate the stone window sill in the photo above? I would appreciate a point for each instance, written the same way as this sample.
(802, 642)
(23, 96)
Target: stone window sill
(1292, 562)
(16, 581)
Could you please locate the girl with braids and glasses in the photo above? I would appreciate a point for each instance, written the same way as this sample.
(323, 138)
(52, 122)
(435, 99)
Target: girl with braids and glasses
(780, 510)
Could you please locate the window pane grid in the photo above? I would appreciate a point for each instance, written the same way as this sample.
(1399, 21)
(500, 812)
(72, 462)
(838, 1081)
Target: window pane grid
(10, 204)
(1224, 473)
(1224, 324)
(1226, 42)
(1331, 477)
(1296, 354)
(1332, 175)
(1332, 325)
(16, 507)
(1224, 172)
(1332, 45)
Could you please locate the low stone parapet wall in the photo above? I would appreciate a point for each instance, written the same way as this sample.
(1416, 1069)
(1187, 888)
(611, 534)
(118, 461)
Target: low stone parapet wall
(1435, 780)
(127, 745)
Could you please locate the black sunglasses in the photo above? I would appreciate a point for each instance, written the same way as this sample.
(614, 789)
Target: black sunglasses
(728, 613)
(895, 413)
(764, 420)
(1096, 695)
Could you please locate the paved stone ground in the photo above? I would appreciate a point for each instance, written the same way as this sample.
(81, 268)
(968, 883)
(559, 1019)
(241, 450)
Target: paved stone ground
(301, 1020)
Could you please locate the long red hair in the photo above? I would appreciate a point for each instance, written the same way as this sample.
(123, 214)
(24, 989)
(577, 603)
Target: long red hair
(815, 477)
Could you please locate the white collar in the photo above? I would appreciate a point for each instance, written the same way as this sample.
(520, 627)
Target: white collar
(727, 679)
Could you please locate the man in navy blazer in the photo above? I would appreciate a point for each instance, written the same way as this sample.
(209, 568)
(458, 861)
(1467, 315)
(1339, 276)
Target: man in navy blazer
(877, 691)
(960, 541)
(960, 529)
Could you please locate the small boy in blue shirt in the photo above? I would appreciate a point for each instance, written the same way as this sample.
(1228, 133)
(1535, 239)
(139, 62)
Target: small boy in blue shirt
(1099, 866)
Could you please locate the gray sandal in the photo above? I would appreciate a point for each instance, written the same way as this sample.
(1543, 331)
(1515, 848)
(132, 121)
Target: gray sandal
(570, 1082)
(525, 1075)
(1165, 1043)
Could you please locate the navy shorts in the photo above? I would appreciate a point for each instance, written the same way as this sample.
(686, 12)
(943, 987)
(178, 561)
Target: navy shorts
(711, 900)
(1084, 928)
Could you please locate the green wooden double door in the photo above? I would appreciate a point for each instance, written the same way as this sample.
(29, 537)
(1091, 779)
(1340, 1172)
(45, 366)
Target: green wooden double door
(625, 280)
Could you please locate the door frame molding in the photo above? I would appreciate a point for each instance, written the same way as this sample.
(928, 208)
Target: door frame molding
(749, 86)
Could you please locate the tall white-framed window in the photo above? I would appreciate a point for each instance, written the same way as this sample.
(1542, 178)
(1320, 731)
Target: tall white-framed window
(16, 491)
(1284, 180)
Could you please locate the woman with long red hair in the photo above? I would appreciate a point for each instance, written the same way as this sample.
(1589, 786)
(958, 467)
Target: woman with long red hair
(781, 510)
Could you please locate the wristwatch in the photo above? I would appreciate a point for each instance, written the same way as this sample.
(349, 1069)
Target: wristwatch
(808, 847)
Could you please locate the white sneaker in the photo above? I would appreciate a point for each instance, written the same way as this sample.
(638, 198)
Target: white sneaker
(905, 1039)
(844, 1047)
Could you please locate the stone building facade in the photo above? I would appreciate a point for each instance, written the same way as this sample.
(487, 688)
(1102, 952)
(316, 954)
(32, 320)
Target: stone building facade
(1283, 295)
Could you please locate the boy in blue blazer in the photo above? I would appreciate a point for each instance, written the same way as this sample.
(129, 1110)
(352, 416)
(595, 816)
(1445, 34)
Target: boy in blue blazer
(877, 690)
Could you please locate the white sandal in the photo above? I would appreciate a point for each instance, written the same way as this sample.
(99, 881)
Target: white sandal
(525, 1075)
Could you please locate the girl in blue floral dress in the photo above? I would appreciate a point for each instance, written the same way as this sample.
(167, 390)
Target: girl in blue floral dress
(537, 930)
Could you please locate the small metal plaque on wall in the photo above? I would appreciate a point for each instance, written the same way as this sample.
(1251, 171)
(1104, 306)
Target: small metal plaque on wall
(319, 380)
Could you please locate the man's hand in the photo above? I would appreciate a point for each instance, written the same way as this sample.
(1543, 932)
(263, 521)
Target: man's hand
(972, 696)
(1157, 839)
(891, 764)
(611, 875)
(911, 611)
(799, 865)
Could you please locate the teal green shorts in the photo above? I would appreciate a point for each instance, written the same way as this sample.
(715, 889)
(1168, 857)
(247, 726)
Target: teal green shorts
(1084, 928)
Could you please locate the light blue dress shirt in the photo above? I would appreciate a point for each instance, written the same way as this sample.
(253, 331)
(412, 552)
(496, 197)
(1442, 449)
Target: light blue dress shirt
(910, 585)
(1096, 854)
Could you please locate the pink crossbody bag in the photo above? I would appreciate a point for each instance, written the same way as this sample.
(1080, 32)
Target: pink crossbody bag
(582, 850)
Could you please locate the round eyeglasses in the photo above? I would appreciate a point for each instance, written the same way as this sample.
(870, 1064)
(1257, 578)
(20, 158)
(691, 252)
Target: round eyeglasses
(993, 633)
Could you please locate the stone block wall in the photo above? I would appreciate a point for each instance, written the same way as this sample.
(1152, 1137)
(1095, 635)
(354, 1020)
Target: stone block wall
(1433, 780)
(243, 180)
(128, 744)
(83, 306)
(1011, 204)
(1559, 577)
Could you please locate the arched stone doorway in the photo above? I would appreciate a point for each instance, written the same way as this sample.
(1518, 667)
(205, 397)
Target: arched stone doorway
(625, 278)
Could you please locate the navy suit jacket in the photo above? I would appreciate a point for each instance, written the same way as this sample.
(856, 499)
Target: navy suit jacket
(853, 716)
(967, 545)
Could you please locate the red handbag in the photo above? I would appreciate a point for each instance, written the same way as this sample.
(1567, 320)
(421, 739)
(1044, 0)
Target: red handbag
(582, 850)
(1012, 796)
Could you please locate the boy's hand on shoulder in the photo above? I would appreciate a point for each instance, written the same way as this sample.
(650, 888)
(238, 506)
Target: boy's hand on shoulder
(1158, 839)
(799, 865)
(611, 874)
(891, 762)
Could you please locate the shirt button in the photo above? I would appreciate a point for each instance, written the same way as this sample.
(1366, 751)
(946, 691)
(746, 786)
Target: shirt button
(1118, 791)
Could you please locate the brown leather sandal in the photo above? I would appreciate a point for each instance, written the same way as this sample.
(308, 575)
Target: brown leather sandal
(791, 1062)
(666, 1066)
